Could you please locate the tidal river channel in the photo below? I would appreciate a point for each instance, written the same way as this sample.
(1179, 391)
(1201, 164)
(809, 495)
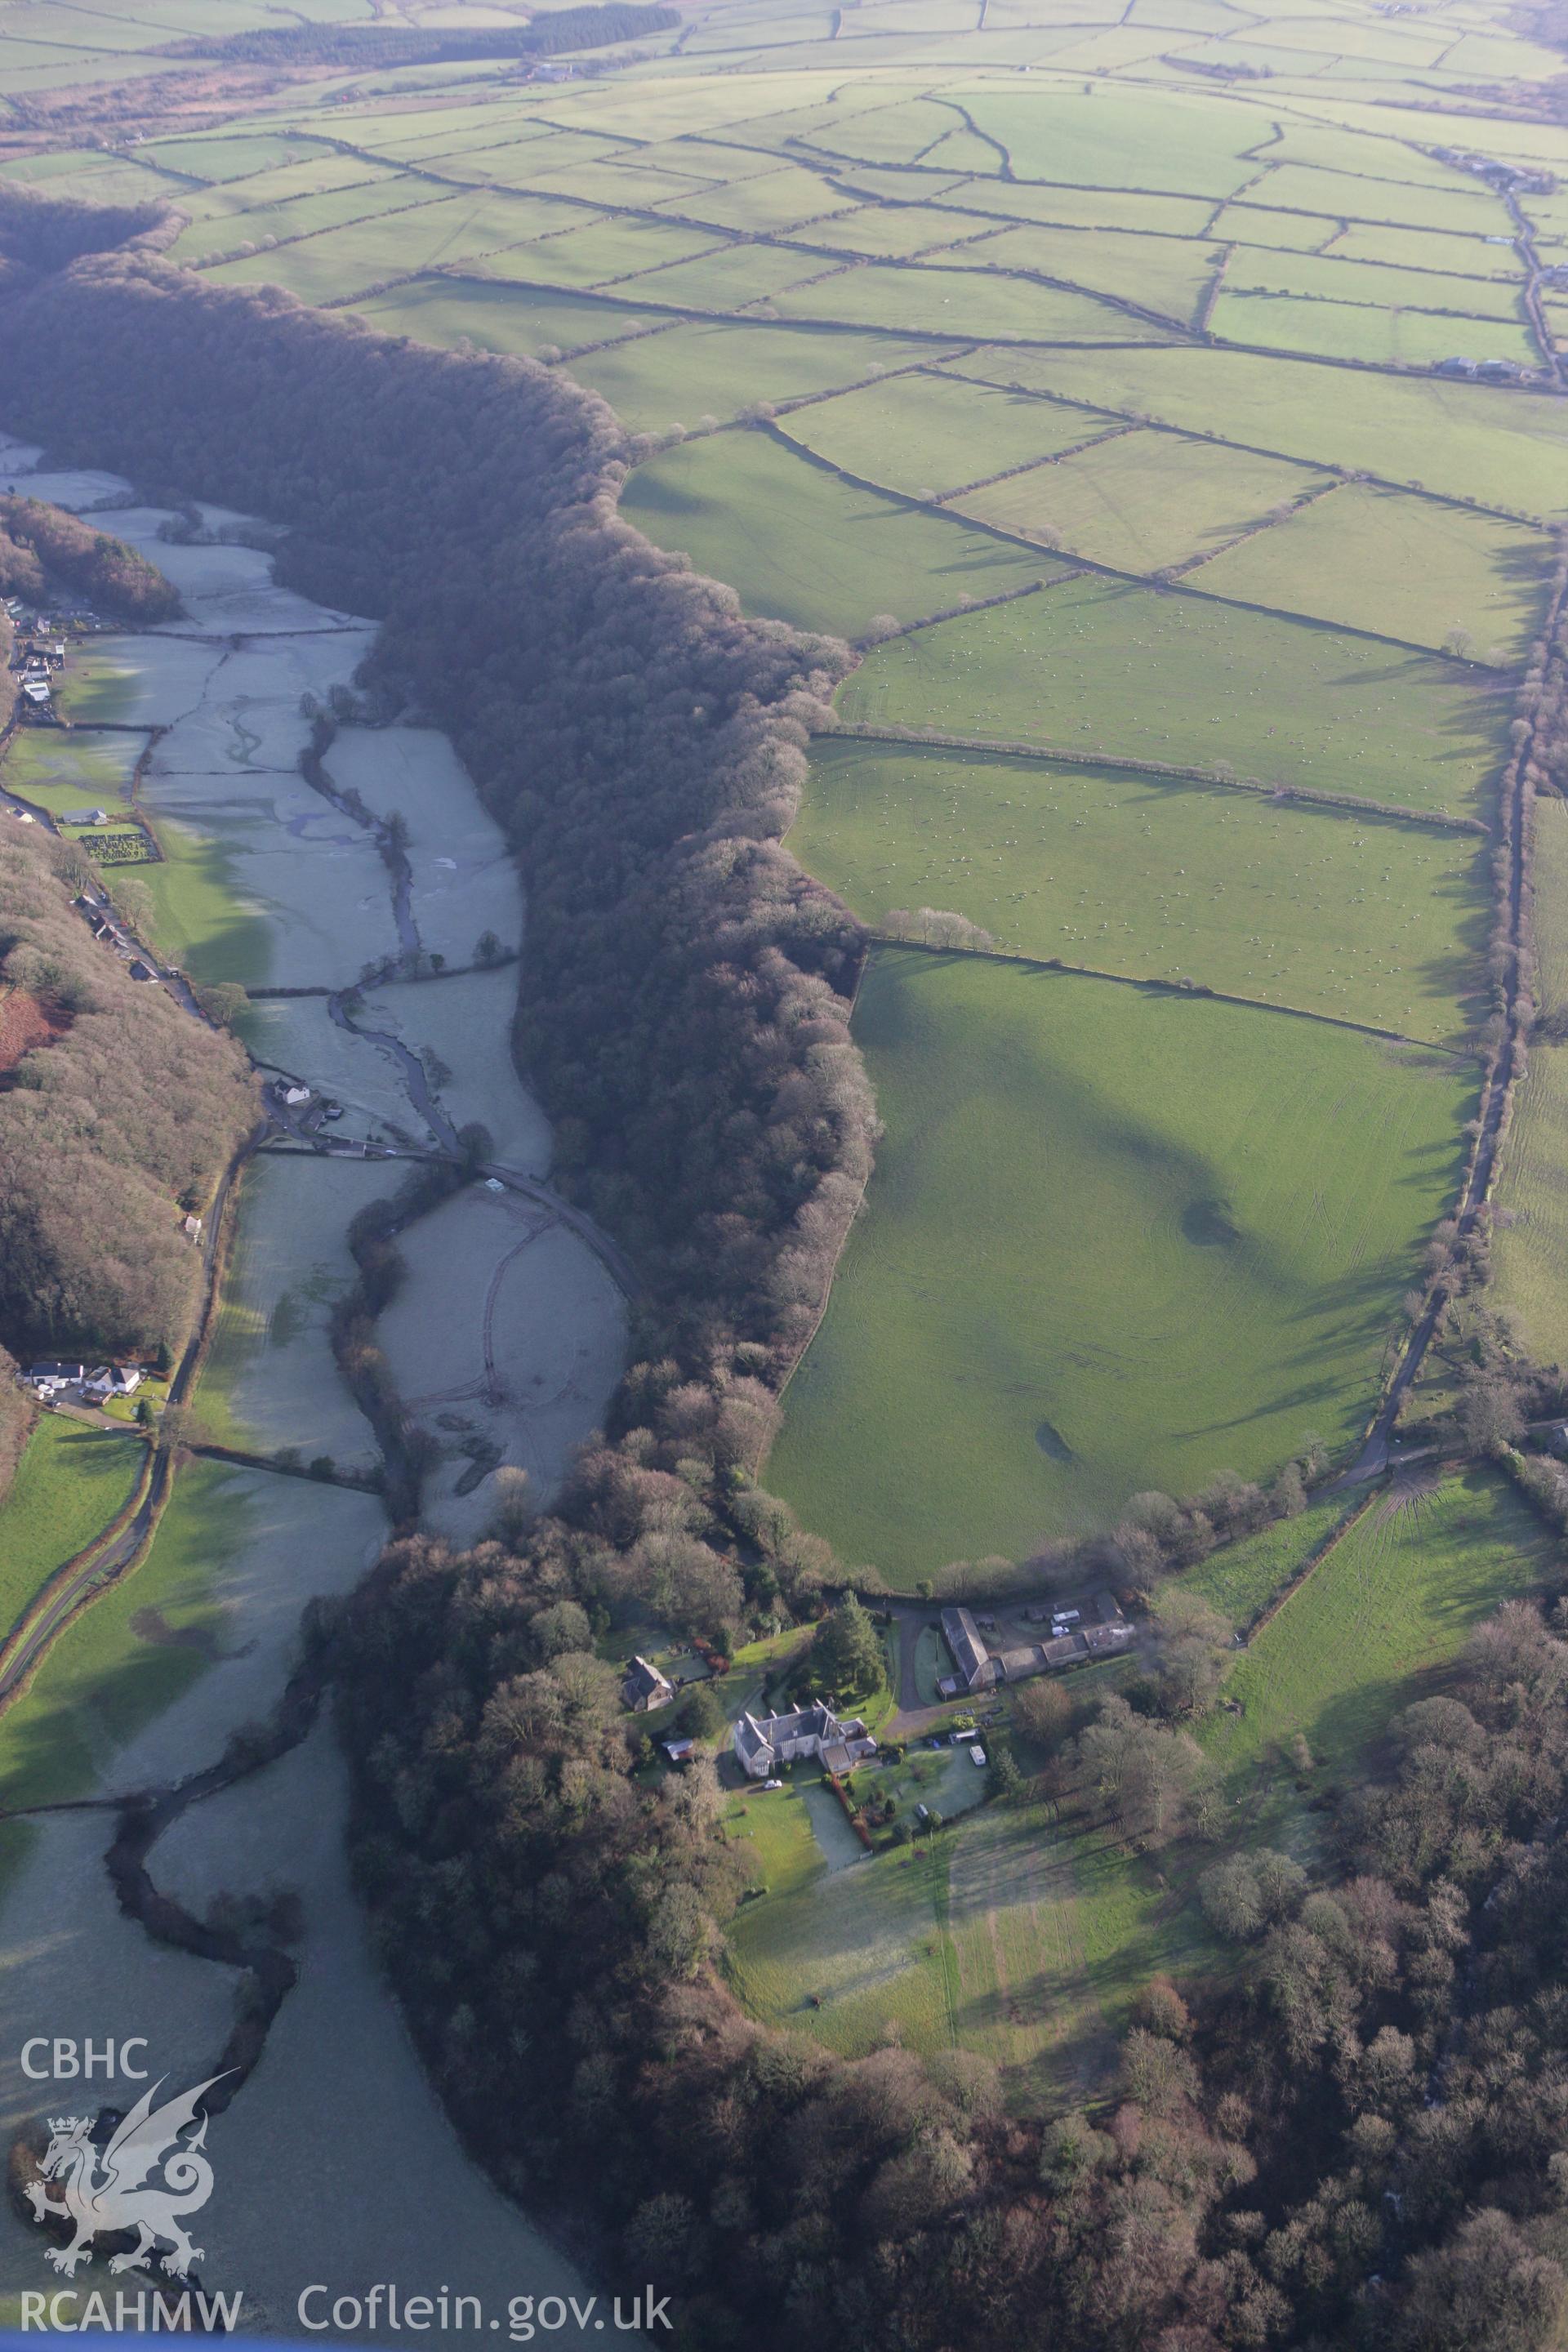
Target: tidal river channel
(333, 2165)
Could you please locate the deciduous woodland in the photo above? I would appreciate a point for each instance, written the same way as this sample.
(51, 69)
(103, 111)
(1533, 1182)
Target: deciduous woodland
(129, 1107)
(1273, 2173)
(41, 543)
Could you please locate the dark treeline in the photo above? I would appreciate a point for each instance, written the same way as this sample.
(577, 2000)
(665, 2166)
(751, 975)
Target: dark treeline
(401, 44)
(40, 544)
(134, 1106)
(36, 235)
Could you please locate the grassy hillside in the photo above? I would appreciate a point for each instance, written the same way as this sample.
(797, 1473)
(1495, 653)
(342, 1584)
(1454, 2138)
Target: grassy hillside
(1160, 879)
(1115, 1240)
(1090, 666)
(72, 1480)
(1371, 1630)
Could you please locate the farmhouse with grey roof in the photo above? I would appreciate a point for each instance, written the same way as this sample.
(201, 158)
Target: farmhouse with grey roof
(645, 1687)
(763, 1742)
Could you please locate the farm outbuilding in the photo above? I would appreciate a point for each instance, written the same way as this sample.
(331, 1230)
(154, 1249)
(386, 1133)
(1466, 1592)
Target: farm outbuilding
(1073, 1642)
(977, 1669)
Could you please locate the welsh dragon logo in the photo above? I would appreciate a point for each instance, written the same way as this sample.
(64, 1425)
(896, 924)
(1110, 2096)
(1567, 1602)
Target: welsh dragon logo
(112, 2187)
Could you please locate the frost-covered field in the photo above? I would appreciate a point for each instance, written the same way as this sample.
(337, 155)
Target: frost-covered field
(463, 883)
(269, 1378)
(507, 1334)
(465, 1023)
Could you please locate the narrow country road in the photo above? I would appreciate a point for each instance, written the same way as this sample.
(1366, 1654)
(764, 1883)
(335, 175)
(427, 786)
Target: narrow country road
(104, 1563)
(20, 1655)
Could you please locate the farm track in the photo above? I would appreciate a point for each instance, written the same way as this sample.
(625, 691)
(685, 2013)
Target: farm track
(1539, 323)
(1497, 1091)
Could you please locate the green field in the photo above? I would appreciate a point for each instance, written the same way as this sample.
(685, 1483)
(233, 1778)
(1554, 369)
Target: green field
(301, 216)
(501, 318)
(1054, 1926)
(1415, 251)
(1065, 207)
(71, 1482)
(1356, 330)
(1467, 440)
(699, 370)
(1015, 1935)
(1241, 1578)
(198, 920)
(1430, 573)
(101, 1682)
(339, 262)
(1141, 500)
(57, 771)
(1167, 275)
(1531, 1245)
(885, 234)
(1369, 920)
(1093, 668)
(599, 252)
(1115, 1240)
(803, 545)
(783, 200)
(728, 276)
(1304, 187)
(945, 301)
(924, 434)
(1331, 279)
(1373, 1628)
(1181, 143)
(224, 157)
(844, 1954)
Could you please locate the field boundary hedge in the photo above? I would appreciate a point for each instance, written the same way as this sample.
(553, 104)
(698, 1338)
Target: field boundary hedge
(1058, 756)
(1313, 1561)
(1188, 988)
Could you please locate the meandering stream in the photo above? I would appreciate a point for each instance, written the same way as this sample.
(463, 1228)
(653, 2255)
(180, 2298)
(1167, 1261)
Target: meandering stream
(334, 2163)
